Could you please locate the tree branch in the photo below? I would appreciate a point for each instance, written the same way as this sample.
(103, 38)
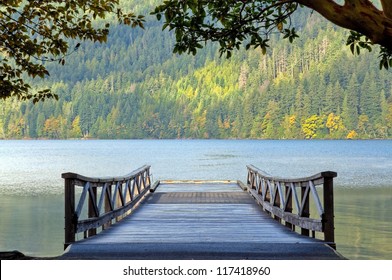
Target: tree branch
(387, 8)
(357, 15)
(25, 25)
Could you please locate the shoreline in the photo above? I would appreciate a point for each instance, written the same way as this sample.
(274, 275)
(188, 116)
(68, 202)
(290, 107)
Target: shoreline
(16, 255)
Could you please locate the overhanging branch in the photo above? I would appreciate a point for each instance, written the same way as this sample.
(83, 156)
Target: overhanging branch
(387, 8)
(358, 15)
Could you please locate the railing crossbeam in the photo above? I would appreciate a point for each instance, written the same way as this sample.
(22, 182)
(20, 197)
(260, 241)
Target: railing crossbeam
(117, 203)
(277, 196)
(316, 199)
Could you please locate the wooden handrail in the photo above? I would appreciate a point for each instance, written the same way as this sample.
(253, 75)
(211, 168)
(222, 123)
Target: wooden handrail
(104, 199)
(288, 201)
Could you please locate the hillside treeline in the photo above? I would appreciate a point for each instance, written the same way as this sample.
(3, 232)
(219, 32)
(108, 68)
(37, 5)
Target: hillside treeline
(135, 87)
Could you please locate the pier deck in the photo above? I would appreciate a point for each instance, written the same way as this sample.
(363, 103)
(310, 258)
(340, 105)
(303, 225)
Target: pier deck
(199, 220)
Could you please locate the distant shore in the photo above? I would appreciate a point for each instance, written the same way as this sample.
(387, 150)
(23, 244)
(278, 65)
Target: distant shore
(16, 255)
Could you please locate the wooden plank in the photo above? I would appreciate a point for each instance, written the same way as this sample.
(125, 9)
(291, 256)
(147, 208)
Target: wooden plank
(69, 210)
(178, 216)
(198, 223)
(154, 186)
(242, 185)
(90, 223)
(329, 226)
(201, 197)
(303, 222)
(78, 177)
(207, 186)
(316, 199)
(82, 199)
(317, 178)
(203, 251)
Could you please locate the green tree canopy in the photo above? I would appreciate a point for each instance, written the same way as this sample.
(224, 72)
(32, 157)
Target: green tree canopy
(33, 32)
(251, 22)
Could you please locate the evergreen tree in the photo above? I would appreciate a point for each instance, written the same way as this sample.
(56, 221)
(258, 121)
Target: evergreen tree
(121, 90)
(351, 104)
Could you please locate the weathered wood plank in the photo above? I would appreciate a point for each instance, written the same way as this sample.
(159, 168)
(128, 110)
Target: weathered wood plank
(317, 178)
(198, 186)
(117, 204)
(276, 196)
(199, 221)
(81, 178)
(200, 197)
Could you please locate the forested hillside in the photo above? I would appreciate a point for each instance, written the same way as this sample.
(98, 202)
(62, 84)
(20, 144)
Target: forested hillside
(134, 87)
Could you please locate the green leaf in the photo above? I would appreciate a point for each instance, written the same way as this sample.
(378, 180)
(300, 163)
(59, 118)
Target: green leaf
(264, 50)
(352, 46)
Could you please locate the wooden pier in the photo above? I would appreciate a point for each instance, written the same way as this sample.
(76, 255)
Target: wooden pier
(266, 218)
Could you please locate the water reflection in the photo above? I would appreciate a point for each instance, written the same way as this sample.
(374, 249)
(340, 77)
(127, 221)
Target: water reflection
(363, 222)
(31, 189)
(33, 225)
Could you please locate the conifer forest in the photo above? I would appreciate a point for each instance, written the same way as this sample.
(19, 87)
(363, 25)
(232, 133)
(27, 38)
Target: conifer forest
(133, 86)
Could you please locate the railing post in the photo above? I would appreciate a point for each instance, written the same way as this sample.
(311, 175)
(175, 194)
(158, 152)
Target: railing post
(69, 211)
(305, 209)
(117, 203)
(148, 177)
(276, 202)
(289, 204)
(248, 180)
(92, 198)
(328, 219)
(108, 199)
(118, 198)
(273, 196)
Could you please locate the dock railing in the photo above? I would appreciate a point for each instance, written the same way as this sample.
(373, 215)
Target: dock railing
(289, 201)
(93, 203)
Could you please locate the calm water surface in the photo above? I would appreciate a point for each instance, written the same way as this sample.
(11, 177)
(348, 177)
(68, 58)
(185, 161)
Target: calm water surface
(31, 188)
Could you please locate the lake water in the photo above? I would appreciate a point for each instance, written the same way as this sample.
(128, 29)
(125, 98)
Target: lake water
(31, 188)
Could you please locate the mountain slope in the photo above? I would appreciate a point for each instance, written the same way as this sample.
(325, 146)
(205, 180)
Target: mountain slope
(135, 87)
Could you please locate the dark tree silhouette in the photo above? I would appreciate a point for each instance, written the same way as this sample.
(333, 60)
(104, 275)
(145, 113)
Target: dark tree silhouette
(34, 32)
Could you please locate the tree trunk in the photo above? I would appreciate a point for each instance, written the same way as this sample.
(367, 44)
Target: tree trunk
(358, 15)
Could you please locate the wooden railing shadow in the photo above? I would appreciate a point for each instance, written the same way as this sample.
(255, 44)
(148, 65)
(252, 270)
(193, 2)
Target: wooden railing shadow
(101, 201)
(289, 200)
